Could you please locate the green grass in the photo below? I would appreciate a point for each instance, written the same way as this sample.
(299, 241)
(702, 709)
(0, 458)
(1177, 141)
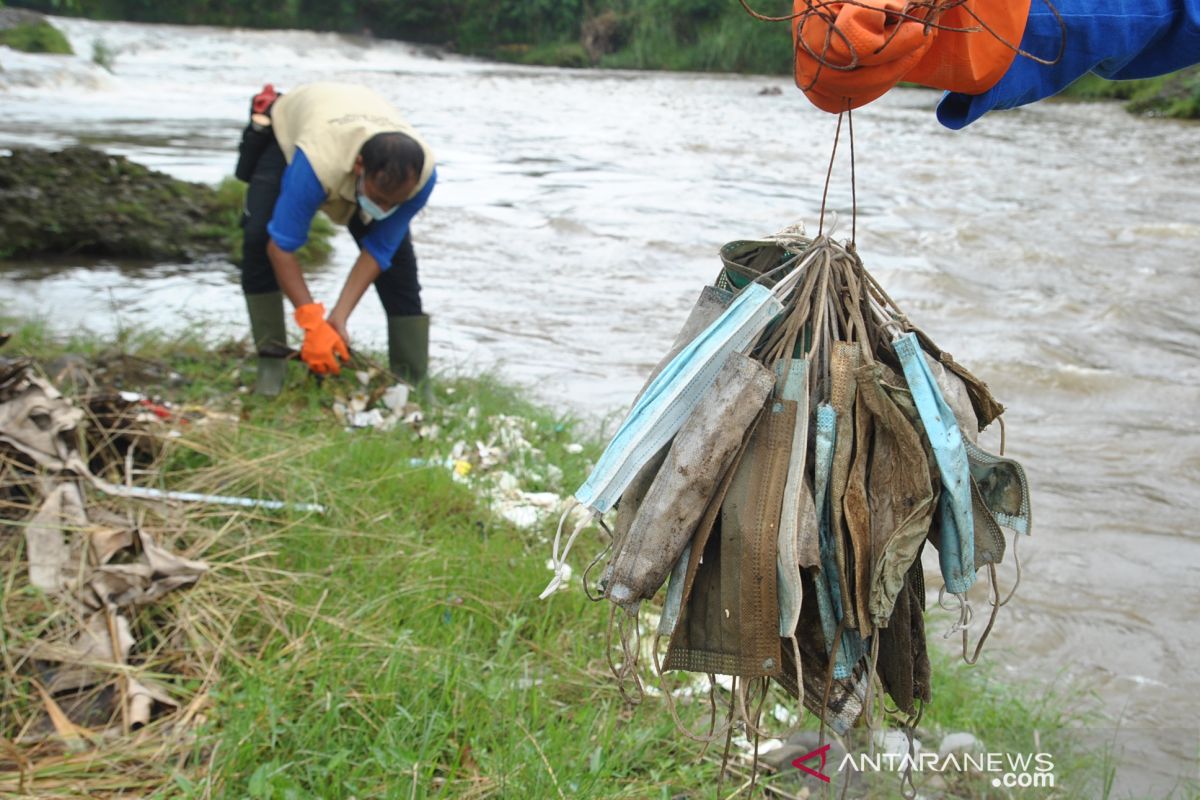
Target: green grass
(36, 37)
(549, 54)
(1176, 95)
(408, 655)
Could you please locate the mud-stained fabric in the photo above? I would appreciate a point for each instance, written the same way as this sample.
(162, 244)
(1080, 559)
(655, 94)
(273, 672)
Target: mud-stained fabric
(846, 358)
(846, 695)
(698, 457)
(673, 604)
(899, 491)
(709, 305)
(808, 542)
(858, 517)
(826, 579)
(1003, 487)
(733, 628)
(989, 539)
(696, 633)
(954, 390)
(987, 409)
(903, 658)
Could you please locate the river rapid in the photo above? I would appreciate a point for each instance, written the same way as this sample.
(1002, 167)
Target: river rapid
(1053, 250)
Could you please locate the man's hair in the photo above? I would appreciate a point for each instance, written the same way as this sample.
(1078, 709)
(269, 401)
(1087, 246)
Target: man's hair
(390, 159)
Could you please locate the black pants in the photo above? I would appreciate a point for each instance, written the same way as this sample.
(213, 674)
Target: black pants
(397, 286)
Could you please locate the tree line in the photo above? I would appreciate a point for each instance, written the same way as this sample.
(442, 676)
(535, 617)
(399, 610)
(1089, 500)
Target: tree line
(639, 34)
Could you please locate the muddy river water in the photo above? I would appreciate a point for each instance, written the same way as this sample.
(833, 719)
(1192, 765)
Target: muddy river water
(1053, 250)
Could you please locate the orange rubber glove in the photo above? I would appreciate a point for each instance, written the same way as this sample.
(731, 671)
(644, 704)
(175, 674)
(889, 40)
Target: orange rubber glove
(322, 346)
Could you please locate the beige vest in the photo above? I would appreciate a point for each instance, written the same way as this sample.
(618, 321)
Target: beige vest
(331, 122)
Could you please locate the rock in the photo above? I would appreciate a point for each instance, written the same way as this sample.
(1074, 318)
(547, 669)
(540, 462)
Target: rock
(83, 201)
(30, 32)
(896, 742)
(12, 17)
(959, 743)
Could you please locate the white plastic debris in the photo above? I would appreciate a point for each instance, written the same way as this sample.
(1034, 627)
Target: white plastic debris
(396, 397)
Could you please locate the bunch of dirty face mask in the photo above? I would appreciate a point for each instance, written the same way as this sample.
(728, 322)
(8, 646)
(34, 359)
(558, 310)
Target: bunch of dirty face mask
(784, 467)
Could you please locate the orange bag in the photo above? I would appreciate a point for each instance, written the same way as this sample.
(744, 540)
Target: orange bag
(848, 54)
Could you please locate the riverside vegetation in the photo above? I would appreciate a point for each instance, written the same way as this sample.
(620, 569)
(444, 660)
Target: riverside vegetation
(395, 646)
(695, 35)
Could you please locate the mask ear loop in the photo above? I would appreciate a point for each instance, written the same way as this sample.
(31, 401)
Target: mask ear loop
(668, 694)
(586, 589)
(728, 736)
(559, 561)
(833, 651)
(753, 727)
(965, 613)
(1017, 558)
(757, 716)
(867, 709)
(1016, 536)
(628, 668)
(908, 789)
(994, 591)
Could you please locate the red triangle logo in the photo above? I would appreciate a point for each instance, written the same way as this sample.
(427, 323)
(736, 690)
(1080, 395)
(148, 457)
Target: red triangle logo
(823, 752)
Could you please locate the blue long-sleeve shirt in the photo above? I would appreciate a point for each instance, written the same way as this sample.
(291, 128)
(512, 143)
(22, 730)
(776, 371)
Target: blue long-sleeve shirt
(301, 194)
(1116, 39)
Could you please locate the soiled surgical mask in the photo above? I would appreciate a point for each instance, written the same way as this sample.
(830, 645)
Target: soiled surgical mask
(368, 205)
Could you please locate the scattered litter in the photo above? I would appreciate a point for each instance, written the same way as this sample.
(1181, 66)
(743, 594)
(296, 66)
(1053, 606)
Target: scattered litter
(148, 493)
(95, 568)
(396, 397)
(746, 747)
(380, 409)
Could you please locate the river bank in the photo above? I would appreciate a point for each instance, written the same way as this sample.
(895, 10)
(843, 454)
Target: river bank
(396, 640)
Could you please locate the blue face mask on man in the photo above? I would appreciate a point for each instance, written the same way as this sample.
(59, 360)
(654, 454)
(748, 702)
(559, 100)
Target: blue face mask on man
(368, 205)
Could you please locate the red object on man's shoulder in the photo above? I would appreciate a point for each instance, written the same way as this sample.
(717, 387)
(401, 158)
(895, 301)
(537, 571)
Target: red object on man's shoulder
(263, 100)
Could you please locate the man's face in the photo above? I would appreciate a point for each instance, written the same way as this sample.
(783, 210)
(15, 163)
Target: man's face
(386, 200)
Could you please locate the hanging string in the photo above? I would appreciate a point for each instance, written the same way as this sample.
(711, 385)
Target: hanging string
(853, 184)
(829, 175)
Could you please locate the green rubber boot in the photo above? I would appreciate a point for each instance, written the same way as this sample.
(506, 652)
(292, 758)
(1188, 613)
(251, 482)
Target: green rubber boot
(270, 335)
(408, 352)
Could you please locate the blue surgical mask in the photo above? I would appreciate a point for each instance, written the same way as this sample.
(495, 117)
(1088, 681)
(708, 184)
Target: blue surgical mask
(957, 551)
(663, 407)
(671, 397)
(368, 205)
